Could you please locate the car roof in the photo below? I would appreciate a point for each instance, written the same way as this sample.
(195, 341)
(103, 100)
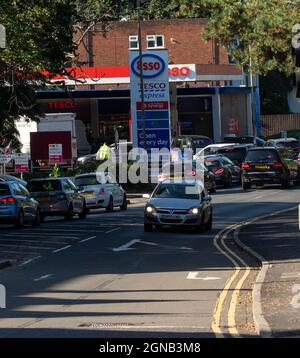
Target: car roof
(220, 145)
(278, 140)
(180, 181)
(262, 148)
(196, 136)
(214, 156)
(49, 178)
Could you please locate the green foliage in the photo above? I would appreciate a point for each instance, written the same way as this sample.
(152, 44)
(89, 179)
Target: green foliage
(39, 35)
(264, 30)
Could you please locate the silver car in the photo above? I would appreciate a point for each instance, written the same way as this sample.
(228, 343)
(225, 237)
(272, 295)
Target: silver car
(179, 203)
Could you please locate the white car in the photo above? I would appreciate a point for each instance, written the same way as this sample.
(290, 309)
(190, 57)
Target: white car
(101, 190)
(212, 149)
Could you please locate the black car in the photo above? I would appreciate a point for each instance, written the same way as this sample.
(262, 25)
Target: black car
(193, 142)
(269, 165)
(189, 171)
(58, 197)
(225, 171)
(236, 153)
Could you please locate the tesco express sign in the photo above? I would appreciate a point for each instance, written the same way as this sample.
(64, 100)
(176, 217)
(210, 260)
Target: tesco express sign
(153, 66)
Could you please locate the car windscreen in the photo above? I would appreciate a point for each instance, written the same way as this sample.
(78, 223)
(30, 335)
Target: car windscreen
(4, 190)
(233, 153)
(198, 143)
(86, 181)
(260, 156)
(211, 164)
(176, 191)
(289, 144)
(44, 185)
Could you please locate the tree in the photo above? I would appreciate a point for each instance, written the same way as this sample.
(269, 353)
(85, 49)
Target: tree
(39, 37)
(262, 30)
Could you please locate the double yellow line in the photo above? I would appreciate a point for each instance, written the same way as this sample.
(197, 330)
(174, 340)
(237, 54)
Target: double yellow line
(239, 264)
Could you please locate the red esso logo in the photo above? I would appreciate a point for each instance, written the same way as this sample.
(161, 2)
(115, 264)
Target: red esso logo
(149, 66)
(153, 66)
(179, 71)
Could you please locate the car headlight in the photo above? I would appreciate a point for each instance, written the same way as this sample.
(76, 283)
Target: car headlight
(194, 211)
(150, 209)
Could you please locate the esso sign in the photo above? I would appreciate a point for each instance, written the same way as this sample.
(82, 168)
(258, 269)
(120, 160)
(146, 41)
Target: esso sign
(153, 66)
(179, 71)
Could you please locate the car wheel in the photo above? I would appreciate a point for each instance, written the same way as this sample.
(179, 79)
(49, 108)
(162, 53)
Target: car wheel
(228, 183)
(20, 221)
(148, 227)
(208, 225)
(110, 206)
(200, 228)
(69, 214)
(83, 214)
(246, 186)
(285, 184)
(37, 220)
(214, 187)
(124, 204)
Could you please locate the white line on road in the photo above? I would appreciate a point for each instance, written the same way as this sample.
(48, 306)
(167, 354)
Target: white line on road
(30, 260)
(28, 247)
(63, 248)
(112, 230)
(126, 246)
(43, 235)
(193, 276)
(88, 239)
(44, 277)
(290, 275)
(36, 241)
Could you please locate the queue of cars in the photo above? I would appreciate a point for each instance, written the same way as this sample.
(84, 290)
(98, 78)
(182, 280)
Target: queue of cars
(33, 201)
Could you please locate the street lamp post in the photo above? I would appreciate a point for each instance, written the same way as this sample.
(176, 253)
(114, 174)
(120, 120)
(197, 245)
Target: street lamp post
(138, 5)
(252, 93)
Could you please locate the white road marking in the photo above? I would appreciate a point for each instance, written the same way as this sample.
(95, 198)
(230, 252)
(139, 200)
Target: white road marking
(112, 230)
(28, 247)
(69, 230)
(63, 248)
(126, 246)
(88, 239)
(193, 276)
(44, 277)
(30, 260)
(42, 236)
(36, 241)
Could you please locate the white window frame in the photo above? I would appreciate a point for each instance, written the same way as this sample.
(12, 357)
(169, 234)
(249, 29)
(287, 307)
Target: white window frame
(133, 38)
(154, 38)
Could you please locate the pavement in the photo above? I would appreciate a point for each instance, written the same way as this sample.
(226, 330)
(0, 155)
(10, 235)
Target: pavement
(277, 240)
(103, 276)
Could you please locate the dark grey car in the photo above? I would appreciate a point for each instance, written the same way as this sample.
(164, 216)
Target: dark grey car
(58, 197)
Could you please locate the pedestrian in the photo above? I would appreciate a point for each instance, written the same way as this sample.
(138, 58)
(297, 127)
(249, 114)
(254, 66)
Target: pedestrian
(103, 152)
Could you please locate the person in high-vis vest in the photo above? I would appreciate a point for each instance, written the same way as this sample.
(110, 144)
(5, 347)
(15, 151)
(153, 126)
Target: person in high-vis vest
(103, 152)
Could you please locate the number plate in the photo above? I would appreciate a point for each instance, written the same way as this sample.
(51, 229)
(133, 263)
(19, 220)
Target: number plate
(171, 217)
(262, 167)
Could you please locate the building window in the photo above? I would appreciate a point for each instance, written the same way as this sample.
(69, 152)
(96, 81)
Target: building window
(155, 41)
(133, 42)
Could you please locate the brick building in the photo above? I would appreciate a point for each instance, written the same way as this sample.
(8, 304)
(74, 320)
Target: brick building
(214, 92)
